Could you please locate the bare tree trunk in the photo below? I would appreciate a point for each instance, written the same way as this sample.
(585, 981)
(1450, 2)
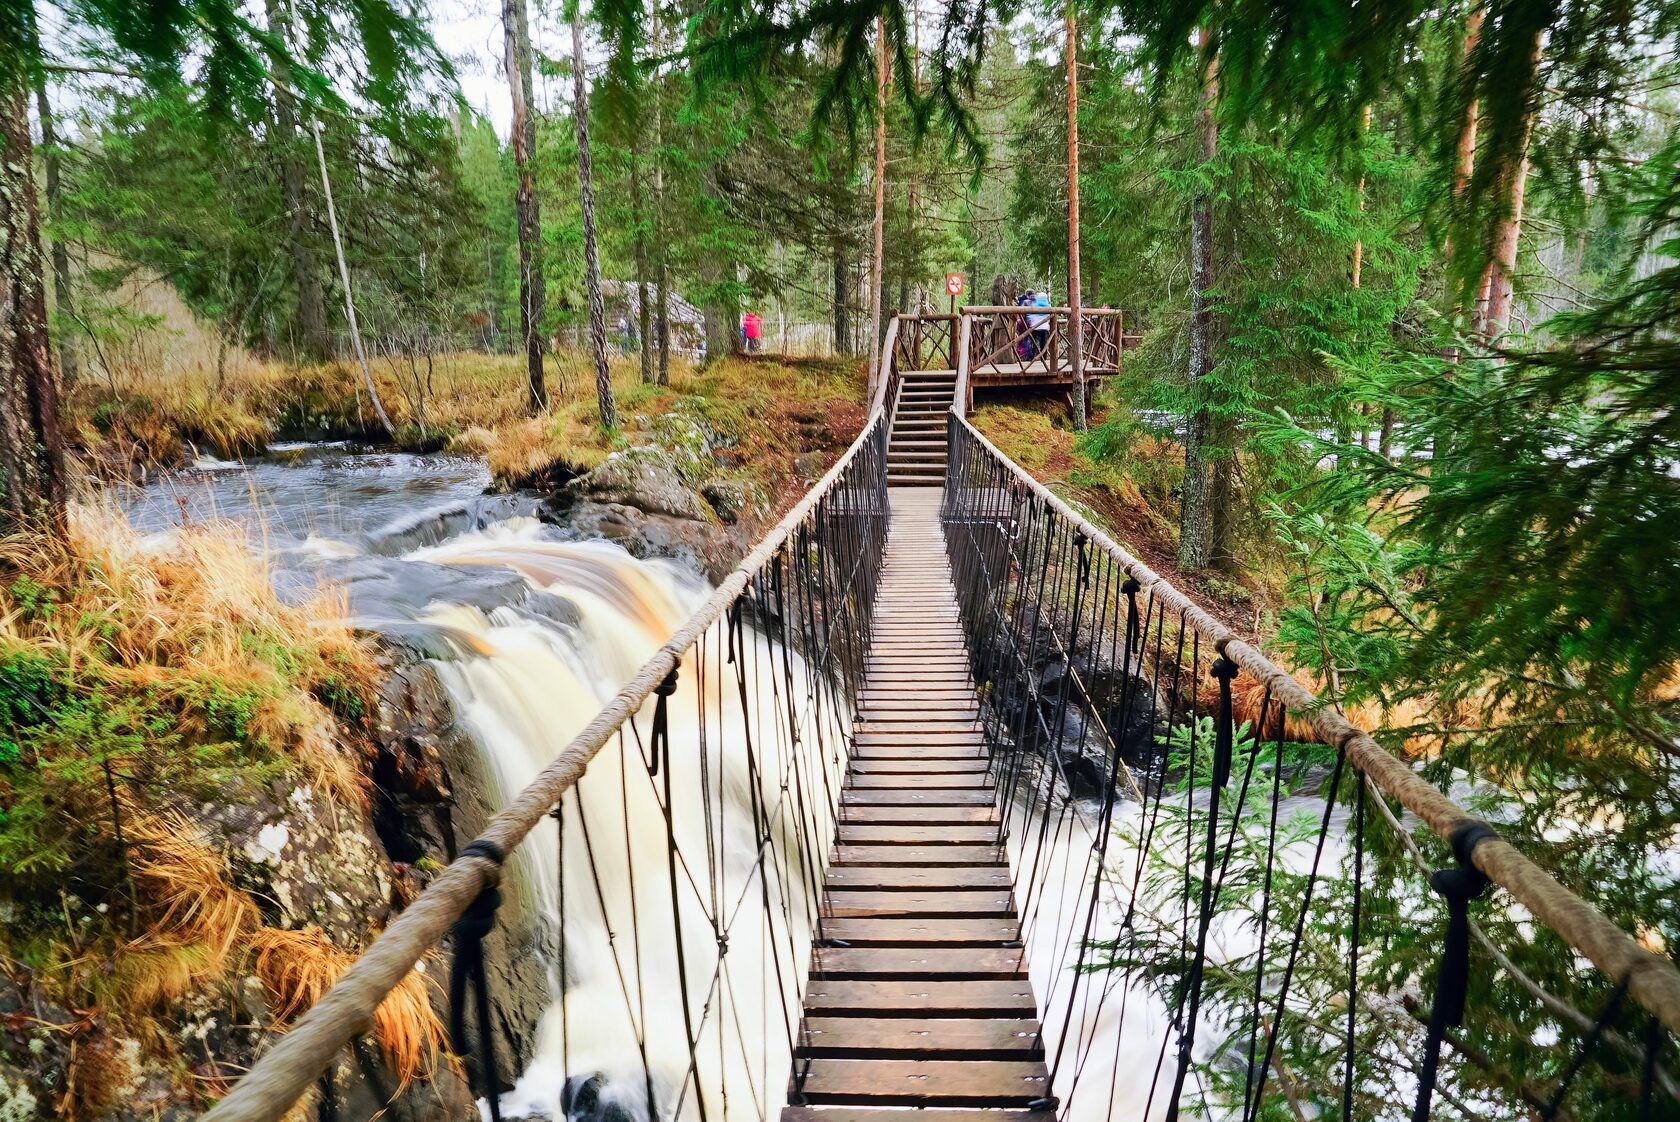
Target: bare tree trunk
(875, 371)
(306, 270)
(1498, 276)
(664, 277)
(1464, 158)
(32, 461)
(349, 300)
(1076, 338)
(63, 296)
(842, 308)
(591, 257)
(516, 33)
(1359, 242)
(644, 316)
(1195, 538)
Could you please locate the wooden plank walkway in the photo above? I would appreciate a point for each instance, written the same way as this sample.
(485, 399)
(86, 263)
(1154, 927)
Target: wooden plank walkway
(918, 995)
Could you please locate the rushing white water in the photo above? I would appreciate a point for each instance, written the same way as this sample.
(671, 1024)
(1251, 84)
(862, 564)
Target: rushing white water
(525, 675)
(617, 1030)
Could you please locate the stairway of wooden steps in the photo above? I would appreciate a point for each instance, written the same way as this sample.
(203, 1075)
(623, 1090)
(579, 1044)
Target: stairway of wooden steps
(918, 994)
(916, 444)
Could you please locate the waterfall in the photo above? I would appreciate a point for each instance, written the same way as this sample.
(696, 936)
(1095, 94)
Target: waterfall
(523, 685)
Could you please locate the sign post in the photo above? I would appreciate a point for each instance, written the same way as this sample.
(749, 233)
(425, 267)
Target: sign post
(954, 286)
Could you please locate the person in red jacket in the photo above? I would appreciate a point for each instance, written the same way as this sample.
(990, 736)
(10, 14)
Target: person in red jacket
(752, 330)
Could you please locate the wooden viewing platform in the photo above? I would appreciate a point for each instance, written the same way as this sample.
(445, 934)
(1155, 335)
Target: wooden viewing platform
(918, 994)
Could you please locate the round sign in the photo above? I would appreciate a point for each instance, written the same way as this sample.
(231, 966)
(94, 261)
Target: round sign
(954, 283)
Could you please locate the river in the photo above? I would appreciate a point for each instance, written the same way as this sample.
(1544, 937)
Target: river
(531, 631)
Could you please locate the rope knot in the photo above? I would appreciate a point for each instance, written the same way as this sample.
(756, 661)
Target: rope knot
(1224, 731)
(1457, 886)
(660, 741)
(1130, 587)
(467, 969)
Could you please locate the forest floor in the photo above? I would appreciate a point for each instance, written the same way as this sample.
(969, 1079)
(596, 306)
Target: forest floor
(1126, 480)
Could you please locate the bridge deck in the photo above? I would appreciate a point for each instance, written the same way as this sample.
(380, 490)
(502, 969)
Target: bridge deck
(918, 994)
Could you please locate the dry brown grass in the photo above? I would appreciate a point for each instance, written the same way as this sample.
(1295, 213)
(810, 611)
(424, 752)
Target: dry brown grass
(145, 613)
(196, 922)
(298, 967)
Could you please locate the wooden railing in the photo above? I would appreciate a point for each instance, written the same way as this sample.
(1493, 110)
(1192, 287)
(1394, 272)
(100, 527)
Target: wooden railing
(926, 342)
(1014, 340)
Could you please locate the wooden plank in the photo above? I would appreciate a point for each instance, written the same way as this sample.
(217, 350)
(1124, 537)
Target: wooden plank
(913, 766)
(934, 1038)
(908, 932)
(890, 1114)
(953, 904)
(919, 815)
(926, 781)
(905, 834)
(918, 962)
(919, 1082)
(889, 997)
(913, 876)
(979, 796)
(918, 855)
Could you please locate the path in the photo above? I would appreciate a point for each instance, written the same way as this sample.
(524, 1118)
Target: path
(918, 993)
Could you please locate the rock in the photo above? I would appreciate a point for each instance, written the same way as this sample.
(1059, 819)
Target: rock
(640, 478)
(685, 443)
(706, 545)
(306, 862)
(732, 498)
(810, 465)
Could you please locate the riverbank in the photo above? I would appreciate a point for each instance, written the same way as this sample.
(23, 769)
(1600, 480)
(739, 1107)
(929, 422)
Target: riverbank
(139, 422)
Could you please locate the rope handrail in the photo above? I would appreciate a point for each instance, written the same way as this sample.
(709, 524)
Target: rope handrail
(1648, 976)
(346, 1011)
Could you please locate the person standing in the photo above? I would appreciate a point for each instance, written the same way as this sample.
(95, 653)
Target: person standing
(1040, 322)
(752, 328)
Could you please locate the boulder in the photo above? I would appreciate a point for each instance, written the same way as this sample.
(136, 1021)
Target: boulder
(642, 478)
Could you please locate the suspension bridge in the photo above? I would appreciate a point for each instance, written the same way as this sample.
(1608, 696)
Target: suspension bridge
(955, 806)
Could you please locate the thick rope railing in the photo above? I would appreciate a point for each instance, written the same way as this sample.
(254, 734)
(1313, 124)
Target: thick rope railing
(309, 1049)
(1650, 978)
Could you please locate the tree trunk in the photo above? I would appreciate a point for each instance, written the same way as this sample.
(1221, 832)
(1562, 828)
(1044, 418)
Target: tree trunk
(644, 316)
(874, 357)
(306, 269)
(31, 443)
(516, 34)
(1499, 275)
(349, 299)
(663, 279)
(1359, 242)
(591, 258)
(1076, 338)
(63, 297)
(1195, 539)
(842, 308)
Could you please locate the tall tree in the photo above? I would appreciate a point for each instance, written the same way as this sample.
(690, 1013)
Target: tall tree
(516, 29)
(31, 442)
(1076, 340)
(314, 339)
(1195, 532)
(591, 256)
(874, 343)
(64, 297)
